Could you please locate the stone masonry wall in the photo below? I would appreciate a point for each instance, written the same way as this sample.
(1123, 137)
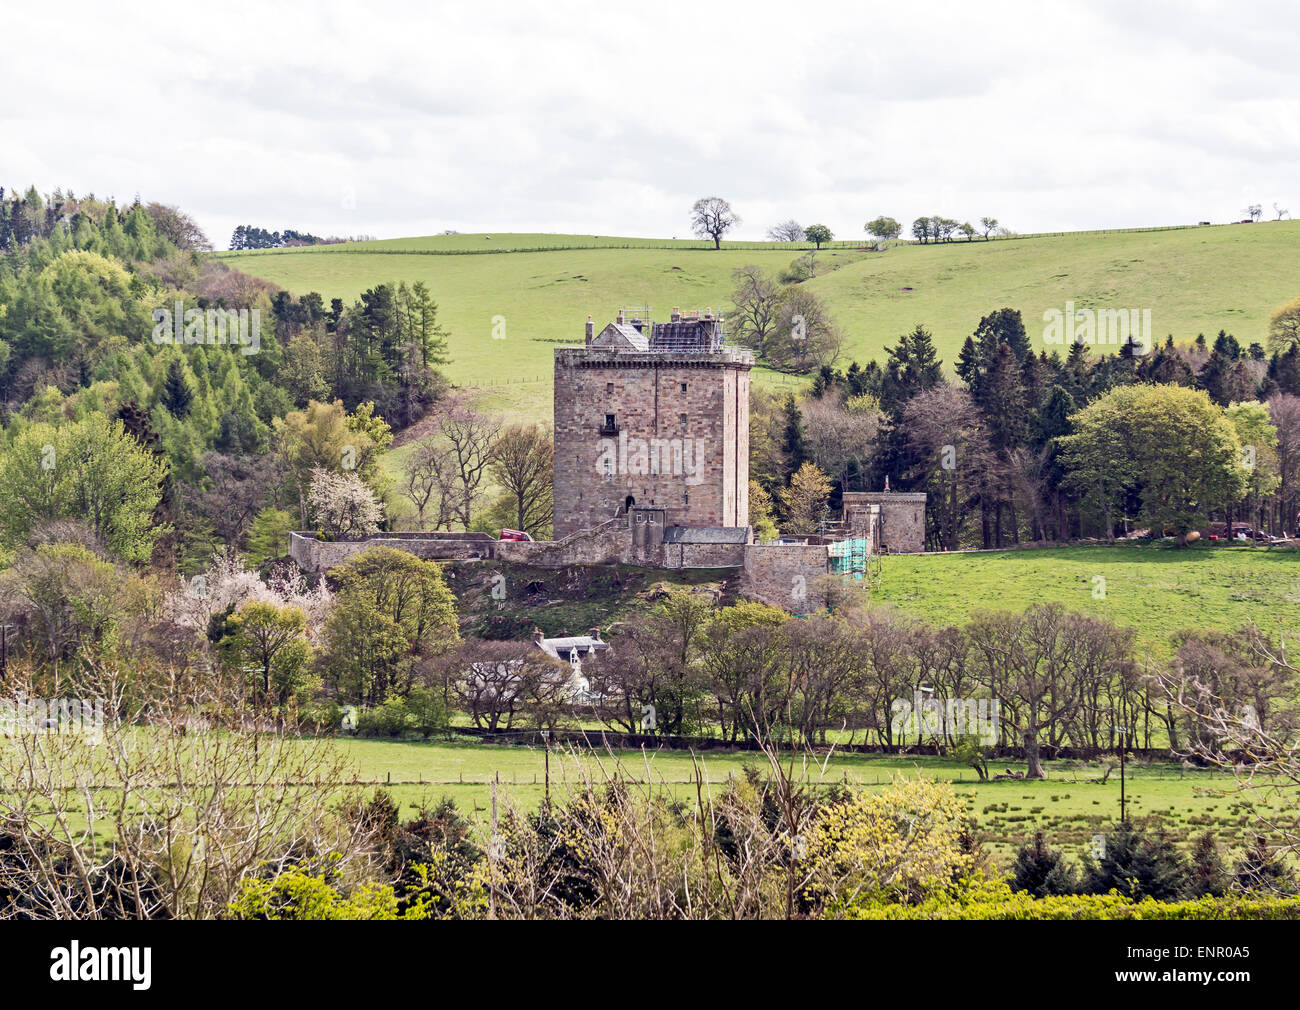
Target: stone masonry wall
(786, 575)
(682, 439)
(902, 518)
(704, 555)
(610, 543)
(314, 555)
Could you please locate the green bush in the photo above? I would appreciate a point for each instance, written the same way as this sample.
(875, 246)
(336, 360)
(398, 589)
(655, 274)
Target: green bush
(269, 537)
(389, 719)
(298, 896)
(1138, 865)
(421, 711)
(427, 714)
(984, 899)
(324, 715)
(1042, 871)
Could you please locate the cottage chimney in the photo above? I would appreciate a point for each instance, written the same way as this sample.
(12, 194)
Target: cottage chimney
(591, 331)
(595, 633)
(619, 318)
(677, 314)
(537, 636)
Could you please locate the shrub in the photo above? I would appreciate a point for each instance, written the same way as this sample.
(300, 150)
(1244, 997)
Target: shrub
(1042, 871)
(300, 896)
(1207, 876)
(984, 899)
(389, 719)
(1136, 866)
(900, 844)
(427, 714)
(1261, 872)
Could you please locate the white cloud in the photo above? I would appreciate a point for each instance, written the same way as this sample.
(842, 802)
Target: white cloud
(607, 120)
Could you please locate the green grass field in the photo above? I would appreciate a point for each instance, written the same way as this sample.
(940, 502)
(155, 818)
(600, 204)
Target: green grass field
(1193, 280)
(1069, 805)
(1157, 589)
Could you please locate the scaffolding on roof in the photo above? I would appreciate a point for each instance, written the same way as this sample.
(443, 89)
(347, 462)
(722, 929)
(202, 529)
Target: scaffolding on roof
(635, 315)
(689, 333)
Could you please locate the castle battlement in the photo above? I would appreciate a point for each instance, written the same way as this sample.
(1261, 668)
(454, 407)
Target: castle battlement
(652, 414)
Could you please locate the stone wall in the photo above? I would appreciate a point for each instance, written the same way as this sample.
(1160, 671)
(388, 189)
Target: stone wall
(863, 522)
(680, 438)
(314, 555)
(901, 528)
(786, 575)
(610, 543)
(704, 555)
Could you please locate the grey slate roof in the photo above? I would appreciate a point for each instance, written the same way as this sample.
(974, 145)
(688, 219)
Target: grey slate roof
(619, 335)
(561, 647)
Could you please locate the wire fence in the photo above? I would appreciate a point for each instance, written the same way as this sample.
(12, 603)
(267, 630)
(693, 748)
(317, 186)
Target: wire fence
(488, 383)
(687, 245)
(842, 776)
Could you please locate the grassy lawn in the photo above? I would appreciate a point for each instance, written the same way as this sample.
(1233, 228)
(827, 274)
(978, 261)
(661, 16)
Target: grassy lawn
(1193, 280)
(1069, 806)
(1157, 589)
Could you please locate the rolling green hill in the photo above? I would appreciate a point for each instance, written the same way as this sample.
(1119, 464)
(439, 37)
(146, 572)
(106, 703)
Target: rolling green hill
(1193, 280)
(1155, 588)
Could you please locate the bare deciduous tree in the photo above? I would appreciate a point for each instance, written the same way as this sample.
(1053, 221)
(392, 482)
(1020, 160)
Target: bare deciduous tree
(523, 460)
(167, 811)
(712, 217)
(470, 436)
(757, 301)
(786, 231)
(429, 482)
(946, 435)
(1214, 696)
(841, 441)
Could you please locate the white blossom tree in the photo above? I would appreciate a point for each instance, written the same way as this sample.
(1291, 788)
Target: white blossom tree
(342, 505)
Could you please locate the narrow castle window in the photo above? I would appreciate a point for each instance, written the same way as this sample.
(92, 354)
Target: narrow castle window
(609, 387)
(683, 387)
(683, 419)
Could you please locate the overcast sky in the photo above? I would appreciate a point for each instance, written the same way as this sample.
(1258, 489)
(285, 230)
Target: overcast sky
(608, 118)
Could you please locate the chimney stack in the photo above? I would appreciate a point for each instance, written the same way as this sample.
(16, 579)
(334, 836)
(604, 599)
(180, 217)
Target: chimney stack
(595, 633)
(619, 318)
(537, 636)
(677, 314)
(591, 330)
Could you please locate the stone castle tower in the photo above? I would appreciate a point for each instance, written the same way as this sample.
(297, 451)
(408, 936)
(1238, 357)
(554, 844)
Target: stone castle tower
(652, 415)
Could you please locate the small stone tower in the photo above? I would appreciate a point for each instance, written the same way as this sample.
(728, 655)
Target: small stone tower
(652, 415)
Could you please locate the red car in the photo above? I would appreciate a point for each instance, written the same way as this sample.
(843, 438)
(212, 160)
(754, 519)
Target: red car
(515, 535)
